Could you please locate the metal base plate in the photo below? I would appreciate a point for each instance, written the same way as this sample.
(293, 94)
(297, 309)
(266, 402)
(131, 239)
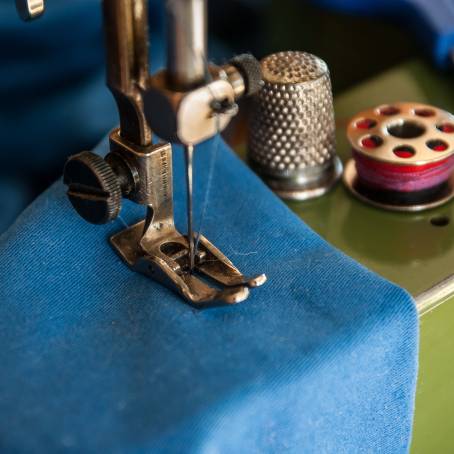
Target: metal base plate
(350, 180)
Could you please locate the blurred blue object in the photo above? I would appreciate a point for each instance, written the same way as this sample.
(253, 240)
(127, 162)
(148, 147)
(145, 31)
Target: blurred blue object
(99, 359)
(431, 21)
(53, 98)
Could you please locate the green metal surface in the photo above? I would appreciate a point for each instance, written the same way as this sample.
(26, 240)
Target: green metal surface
(433, 431)
(404, 248)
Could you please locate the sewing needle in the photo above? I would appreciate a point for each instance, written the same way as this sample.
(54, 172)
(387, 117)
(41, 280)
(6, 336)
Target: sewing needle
(188, 153)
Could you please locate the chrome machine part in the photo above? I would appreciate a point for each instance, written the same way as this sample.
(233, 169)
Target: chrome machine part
(187, 68)
(190, 117)
(405, 139)
(30, 9)
(154, 247)
(292, 132)
(126, 37)
(191, 102)
(139, 170)
(434, 296)
(186, 42)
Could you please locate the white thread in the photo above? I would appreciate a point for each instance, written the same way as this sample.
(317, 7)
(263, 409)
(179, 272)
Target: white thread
(123, 221)
(209, 183)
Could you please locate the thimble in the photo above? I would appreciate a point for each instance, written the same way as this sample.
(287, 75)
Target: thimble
(292, 143)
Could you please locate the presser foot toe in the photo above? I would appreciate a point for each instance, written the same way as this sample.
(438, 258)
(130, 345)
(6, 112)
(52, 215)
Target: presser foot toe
(213, 281)
(219, 268)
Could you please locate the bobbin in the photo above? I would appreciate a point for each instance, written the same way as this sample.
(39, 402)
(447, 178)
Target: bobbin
(403, 156)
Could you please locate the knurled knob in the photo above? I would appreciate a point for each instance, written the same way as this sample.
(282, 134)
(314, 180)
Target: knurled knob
(93, 187)
(249, 67)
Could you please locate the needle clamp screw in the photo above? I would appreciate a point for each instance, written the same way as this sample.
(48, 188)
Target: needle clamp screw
(93, 187)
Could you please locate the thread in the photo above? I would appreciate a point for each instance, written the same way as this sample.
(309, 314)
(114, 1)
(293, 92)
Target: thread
(402, 178)
(210, 176)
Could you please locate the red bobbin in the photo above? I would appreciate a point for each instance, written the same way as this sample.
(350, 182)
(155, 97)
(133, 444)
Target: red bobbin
(403, 156)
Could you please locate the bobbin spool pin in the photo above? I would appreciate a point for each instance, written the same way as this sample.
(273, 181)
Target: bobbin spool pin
(292, 131)
(403, 156)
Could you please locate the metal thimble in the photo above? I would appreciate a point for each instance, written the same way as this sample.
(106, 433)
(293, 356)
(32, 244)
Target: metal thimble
(292, 143)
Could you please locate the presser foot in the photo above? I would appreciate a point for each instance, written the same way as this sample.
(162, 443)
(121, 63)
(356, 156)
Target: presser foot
(165, 259)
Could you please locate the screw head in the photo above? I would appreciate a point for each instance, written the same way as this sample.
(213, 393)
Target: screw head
(93, 187)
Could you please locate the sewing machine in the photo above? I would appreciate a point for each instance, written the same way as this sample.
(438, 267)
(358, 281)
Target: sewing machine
(381, 240)
(188, 103)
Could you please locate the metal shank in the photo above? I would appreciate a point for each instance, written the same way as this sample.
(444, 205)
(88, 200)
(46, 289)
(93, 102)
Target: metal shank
(186, 42)
(126, 37)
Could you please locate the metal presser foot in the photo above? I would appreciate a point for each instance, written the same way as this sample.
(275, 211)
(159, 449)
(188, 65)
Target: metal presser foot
(153, 247)
(165, 257)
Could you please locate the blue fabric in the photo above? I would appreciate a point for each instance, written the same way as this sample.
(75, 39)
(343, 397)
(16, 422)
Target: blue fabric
(14, 195)
(98, 359)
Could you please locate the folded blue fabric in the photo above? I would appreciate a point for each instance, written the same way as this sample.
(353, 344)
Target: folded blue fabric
(96, 358)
